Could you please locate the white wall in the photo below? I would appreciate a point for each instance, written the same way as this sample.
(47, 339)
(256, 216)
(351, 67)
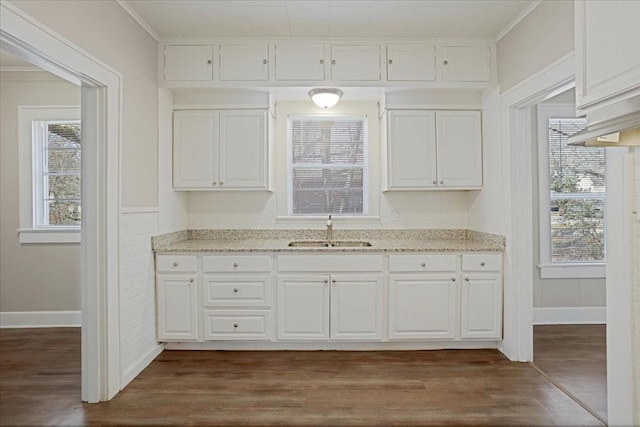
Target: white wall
(33, 277)
(636, 285)
(542, 37)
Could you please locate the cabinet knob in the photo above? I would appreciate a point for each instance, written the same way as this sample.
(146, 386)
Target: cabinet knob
(215, 183)
(333, 62)
(441, 181)
(322, 61)
(175, 264)
(466, 279)
(235, 325)
(264, 61)
(390, 62)
(435, 182)
(446, 62)
(235, 265)
(190, 280)
(221, 183)
(424, 264)
(333, 281)
(209, 61)
(482, 264)
(453, 279)
(235, 290)
(326, 281)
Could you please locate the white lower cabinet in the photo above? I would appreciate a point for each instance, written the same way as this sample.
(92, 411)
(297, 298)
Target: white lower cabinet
(237, 324)
(337, 307)
(481, 296)
(177, 307)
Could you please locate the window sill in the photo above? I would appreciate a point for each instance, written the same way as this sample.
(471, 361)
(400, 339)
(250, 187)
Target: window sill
(321, 219)
(49, 235)
(573, 271)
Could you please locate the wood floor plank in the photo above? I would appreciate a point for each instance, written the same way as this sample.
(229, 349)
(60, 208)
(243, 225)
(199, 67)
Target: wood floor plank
(40, 385)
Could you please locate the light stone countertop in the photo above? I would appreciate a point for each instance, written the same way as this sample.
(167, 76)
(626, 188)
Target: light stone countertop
(278, 241)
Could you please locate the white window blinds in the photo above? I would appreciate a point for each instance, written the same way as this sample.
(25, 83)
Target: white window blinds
(328, 165)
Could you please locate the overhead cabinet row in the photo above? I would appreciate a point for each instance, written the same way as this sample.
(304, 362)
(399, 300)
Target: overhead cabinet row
(318, 62)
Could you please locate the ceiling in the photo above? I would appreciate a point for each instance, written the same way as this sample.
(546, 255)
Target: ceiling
(328, 18)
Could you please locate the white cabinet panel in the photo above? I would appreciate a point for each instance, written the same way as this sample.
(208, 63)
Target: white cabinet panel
(481, 306)
(303, 307)
(355, 63)
(459, 155)
(411, 62)
(247, 325)
(411, 149)
(419, 263)
(423, 306)
(466, 63)
(176, 263)
(244, 62)
(481, 262)
(298, 62)
(177, 307)
(236, 263)
(188, 63)
(236, 291)
(607, 50)
(243, 144)
(195, 147)
(356, 307)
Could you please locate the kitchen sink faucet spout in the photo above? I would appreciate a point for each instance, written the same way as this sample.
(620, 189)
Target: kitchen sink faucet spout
(329, 237)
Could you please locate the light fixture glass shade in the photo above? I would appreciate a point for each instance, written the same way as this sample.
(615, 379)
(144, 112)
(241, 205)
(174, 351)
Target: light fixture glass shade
(325, 98)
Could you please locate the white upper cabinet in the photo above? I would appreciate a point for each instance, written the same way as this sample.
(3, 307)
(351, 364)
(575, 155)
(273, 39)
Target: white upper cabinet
(300, 61)
(411, 62)
(607, 52)
(188, 63)
(459, 156)
(220, 149)
(434, 149)
(466, 63)
(412, 149)
(244, 62)
(355, 62)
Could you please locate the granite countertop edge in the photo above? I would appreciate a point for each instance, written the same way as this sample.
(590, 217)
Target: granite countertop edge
(405, 240)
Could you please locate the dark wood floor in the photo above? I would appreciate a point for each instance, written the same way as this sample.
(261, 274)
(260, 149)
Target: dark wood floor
(40, 385)
(575, 356)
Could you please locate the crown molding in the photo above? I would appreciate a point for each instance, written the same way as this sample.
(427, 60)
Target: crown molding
(139, 19)
(511, 25)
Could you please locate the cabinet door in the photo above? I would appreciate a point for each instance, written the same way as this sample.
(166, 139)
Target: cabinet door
(607, 49)
(411, 62)
(355, 63)
(244, 62)
(243, 149)
(459, 135)
(466, 63)
(188, 63)
(177, 308)
(481, 306)
(303, 307)
(422, 306)
(356, 307)
(195, 147)
(296, 61)
(411, 149)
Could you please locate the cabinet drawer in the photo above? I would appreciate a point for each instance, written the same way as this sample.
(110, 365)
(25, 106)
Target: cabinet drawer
(236, 263)
(422, 262)
(176, 263)
(235, 291)
(482, 262)
(237, 325)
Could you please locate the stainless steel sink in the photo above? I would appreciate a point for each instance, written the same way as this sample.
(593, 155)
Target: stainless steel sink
(325, 244)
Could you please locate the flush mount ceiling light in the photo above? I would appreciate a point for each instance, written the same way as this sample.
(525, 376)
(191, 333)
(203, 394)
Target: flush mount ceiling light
(325, 97)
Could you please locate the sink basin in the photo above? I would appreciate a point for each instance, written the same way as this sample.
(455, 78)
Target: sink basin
(325, 244)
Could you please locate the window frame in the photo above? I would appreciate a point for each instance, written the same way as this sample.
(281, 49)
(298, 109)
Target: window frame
(365, 164)
(29, 231)
(549, 269)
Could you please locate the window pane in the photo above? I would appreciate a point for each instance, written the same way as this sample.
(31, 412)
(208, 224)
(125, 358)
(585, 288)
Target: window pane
(64, 135)
(63, 160)
(327, 141)
(63, 187)
(65, 212)
(328, 191)
(577, 230)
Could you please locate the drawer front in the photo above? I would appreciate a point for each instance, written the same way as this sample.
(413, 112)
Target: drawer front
(237, 290)
(176, 263)
(482, 262)
(330, 263)
(236, 263)
(237, 325)
(422, 262)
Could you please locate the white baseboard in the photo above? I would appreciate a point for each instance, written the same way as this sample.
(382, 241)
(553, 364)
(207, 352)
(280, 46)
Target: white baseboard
(129, 374)
(569, 315)
(40, 319)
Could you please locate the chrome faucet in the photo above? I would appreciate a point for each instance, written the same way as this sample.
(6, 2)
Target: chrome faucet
(329, 237)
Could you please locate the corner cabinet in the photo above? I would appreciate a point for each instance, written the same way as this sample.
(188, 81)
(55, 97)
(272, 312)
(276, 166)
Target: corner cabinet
(434, 150)
(607, 55)
(481, 296)
(177, 298)
(220, 150)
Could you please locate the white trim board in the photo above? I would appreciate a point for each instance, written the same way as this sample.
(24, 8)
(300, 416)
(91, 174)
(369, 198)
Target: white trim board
(138, 367)
(40, 319)
(569, 315)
